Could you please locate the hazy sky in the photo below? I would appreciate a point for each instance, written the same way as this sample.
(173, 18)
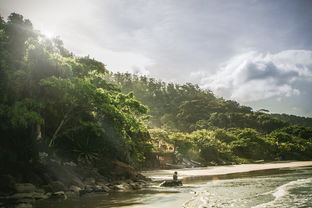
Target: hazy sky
(258, 52)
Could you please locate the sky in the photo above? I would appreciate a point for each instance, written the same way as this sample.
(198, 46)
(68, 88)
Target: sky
(257, 52)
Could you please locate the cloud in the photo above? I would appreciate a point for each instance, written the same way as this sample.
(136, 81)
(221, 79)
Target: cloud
(178, 36)
(256, 76)
(119, 61)
(184, 41)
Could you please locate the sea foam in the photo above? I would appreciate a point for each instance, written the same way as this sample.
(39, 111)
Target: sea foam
(283, 190)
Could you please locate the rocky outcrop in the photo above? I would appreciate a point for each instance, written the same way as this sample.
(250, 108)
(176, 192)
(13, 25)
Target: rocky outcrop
(171, 183)
(24, 194)
(60, 180)
(59, 195)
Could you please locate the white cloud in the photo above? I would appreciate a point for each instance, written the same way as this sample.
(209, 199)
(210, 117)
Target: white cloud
(256, 76)
(183, 41)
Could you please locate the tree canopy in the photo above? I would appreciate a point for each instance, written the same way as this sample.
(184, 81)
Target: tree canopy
(53, 101)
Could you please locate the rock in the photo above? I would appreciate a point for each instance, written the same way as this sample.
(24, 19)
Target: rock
(43, 157)
(121, 171)
(71, 164)
(128, 181)
(89, 189)
(24, 188)
(105, 188)
(38, 195)
(59, 195)
(27, 196)
(19, 196)
(123, 187)
(95, 188)
(171, 183)
(135, 186)
(98, 188)
(90, 181)
(74, 189)
(23, 205)
(139, 177)
(55, 186)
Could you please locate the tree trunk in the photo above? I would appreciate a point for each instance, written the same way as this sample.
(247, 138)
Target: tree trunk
(38, 132)
(57, 130)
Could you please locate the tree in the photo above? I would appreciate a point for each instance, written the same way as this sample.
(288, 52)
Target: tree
(250, 144)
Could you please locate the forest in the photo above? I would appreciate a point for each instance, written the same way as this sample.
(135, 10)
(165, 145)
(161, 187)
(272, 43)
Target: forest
(74, 108)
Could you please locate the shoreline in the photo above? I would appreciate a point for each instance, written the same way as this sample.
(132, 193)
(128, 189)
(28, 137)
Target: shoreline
(29, 192)
(216, 171)
(160, 197)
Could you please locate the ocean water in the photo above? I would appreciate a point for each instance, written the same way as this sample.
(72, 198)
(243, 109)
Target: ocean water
(290, 187)
(282, 188)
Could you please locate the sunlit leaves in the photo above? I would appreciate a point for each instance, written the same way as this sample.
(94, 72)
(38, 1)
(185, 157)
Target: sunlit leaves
(25, 113)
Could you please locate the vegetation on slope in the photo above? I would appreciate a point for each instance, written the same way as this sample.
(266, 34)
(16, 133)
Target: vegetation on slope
(52, 101)
(202, 127)
(73, 107)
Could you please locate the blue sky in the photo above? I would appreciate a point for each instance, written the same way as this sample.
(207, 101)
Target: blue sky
(257, 52)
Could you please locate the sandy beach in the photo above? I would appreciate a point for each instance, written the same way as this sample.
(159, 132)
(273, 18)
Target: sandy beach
(222, 170)
(275, 184)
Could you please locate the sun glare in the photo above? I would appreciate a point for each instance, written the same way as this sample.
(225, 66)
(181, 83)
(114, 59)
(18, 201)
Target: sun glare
(48, 34)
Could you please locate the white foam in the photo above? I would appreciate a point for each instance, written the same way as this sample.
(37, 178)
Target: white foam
(282, 191)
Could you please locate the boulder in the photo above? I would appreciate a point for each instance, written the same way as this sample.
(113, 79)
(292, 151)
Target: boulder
(59, 195)
(54, 186)
(139, 177)
(71, 164)
(74, 189)
(171, 183)
(135, 186)
(123, 187)
(90, 181)
(23, 205)
(99, 188)
(105, 187)
(24, 188)
(26, 196)
(88, 189)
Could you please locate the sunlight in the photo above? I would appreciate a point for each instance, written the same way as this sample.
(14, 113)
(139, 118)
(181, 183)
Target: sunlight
(48, 34)
(149, 104)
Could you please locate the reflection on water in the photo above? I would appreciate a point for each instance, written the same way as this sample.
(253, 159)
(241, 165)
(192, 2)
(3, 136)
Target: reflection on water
(142, 198)
(199, 179)
(270, 188)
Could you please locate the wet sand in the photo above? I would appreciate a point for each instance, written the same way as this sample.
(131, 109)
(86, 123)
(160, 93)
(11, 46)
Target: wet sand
(196, 187)
(158, 175)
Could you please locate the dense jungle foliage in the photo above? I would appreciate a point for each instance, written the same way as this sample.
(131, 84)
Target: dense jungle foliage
(208, 129)
(73, 107)
(52, 101)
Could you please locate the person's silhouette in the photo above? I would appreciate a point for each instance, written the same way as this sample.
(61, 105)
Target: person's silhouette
(175, 176)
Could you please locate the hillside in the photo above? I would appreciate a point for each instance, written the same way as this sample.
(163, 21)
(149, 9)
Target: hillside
(187, 107)
(72, 109)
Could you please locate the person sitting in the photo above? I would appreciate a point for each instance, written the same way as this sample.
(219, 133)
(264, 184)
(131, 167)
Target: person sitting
(175, 176)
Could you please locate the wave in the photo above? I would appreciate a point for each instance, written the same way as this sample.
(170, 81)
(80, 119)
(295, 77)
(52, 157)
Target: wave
(204, 199)
(283, 190)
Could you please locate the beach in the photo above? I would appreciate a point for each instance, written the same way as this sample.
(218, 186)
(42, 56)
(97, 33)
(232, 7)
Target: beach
(222, 170)
(276, 184)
